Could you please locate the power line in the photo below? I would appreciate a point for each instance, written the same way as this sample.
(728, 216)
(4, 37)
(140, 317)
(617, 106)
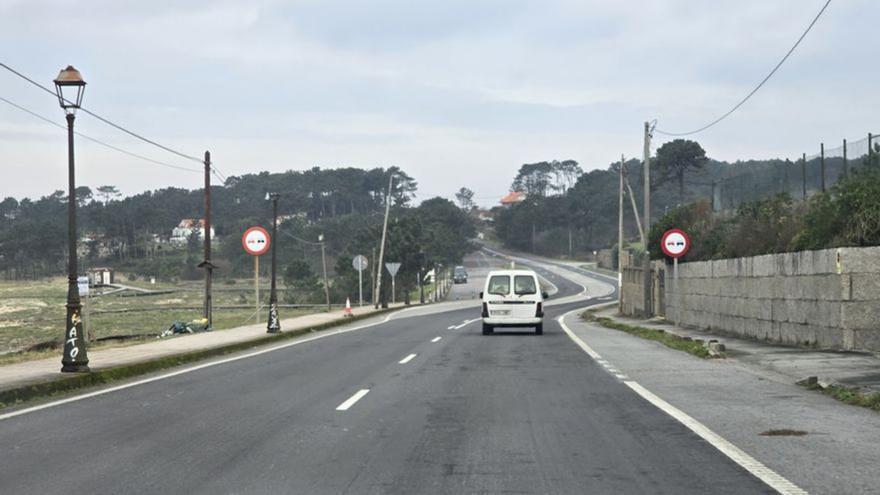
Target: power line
(102, 119)
(298, 239)
(742, 102)
(94, 140)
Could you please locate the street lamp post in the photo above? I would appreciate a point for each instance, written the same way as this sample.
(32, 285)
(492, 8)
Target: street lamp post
(274, 326)
(69, 87)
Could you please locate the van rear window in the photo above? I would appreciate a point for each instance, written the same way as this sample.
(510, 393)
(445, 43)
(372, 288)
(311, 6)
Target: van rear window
(499, 285)
(524, 284)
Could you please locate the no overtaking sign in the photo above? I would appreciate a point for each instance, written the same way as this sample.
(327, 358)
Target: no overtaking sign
(675, 243)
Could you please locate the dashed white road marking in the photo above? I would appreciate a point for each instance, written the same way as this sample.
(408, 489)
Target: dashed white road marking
(354, 398)
(466, 322)
(450, 327)
(436, 339)
(407, 359)
(734, 453)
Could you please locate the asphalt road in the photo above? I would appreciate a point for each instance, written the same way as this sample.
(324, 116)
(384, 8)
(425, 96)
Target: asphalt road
(465, 413)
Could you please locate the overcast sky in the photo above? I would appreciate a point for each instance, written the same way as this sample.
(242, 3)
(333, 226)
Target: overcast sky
(455, 92)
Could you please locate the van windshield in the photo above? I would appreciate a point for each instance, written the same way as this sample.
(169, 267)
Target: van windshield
(524, 284)
(499, 285)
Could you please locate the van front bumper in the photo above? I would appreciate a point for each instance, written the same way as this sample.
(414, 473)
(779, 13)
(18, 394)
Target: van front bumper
(501, 321)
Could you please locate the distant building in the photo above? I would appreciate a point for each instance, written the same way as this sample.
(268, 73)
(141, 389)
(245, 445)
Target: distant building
(99, 276)
(485, 216)
(513, 198)
(186, 228)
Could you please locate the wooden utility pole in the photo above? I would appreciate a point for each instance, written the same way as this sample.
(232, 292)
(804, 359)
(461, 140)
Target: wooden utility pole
(324, 263)
(822, 165)
(382, 246)
(206, 264)
(804, 174)
(620, 233)
(647, 223)
(845, 165)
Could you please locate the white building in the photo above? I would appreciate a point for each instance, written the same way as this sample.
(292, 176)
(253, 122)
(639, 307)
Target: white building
(186, 227)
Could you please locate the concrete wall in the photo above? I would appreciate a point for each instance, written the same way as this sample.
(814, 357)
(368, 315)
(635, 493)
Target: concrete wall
(828, 298)
(605, 259)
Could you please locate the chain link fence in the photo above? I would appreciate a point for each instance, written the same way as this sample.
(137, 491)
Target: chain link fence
(801, 178)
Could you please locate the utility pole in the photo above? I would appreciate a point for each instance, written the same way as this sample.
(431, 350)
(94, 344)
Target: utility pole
(274, 325)
(324, 262)
(845, 167)
(804, 174)
(206, 264)
(647, 223)
(822, 165)
(620, 233)
(382, 246)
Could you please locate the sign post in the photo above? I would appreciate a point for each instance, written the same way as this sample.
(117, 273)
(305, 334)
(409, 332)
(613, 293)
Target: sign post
(256, 241)
(675, 244)
(392, 269)
(360, 264)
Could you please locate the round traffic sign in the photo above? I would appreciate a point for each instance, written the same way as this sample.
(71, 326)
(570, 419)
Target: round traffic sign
(255, 241)
(360, 263)
(675, 243)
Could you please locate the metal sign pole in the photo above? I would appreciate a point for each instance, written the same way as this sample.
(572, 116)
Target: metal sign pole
(257, 285)
(360, 288)
(675, 283)
(392, 290)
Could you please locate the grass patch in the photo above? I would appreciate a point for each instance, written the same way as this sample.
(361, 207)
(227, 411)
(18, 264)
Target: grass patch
(849, 395)
(667, 339)
(68, 384)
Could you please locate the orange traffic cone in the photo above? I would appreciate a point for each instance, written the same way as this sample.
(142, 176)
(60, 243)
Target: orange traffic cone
(347, 311)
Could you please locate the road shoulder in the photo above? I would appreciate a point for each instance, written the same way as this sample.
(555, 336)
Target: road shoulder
(740, 405)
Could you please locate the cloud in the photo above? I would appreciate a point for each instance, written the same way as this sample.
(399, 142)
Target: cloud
(474, 87)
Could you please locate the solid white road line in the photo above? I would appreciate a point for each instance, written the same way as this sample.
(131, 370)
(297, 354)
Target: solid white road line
(406, 359)
(749, 463)
(450, 327)
(187, 370)
(354, 398)
(436, 339)
(734, 453)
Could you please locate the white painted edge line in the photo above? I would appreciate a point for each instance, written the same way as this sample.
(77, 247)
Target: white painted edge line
(450, 327)
(749, 463)
(407, 359)
(354, 398)
(124, 386)
(734, 453)
(466, 322)
(436, 339)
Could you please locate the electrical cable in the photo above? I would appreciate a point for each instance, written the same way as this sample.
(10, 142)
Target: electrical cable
(742, 102)
(98, 141)
(102, 119)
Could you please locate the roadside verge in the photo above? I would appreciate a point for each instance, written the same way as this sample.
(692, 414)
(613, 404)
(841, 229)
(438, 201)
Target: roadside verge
(55, 387)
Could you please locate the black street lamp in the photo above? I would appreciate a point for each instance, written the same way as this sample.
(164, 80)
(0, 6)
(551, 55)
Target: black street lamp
(274, 326)
(69, 86)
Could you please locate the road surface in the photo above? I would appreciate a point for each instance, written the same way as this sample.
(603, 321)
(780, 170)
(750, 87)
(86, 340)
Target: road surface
(420, 403)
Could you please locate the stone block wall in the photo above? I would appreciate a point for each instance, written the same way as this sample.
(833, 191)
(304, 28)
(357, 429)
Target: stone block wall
(828, 298)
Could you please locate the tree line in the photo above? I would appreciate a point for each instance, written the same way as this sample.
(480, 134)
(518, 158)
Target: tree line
(345, 205)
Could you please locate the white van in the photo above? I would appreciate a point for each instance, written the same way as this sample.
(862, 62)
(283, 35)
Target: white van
(513, 298)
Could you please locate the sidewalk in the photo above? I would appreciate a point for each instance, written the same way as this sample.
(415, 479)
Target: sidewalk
(750, 400)
(782, 363)
(29, 372)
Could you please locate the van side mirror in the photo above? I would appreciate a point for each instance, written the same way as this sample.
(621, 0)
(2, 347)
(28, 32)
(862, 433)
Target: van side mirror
(544, 294)
(481, 294)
